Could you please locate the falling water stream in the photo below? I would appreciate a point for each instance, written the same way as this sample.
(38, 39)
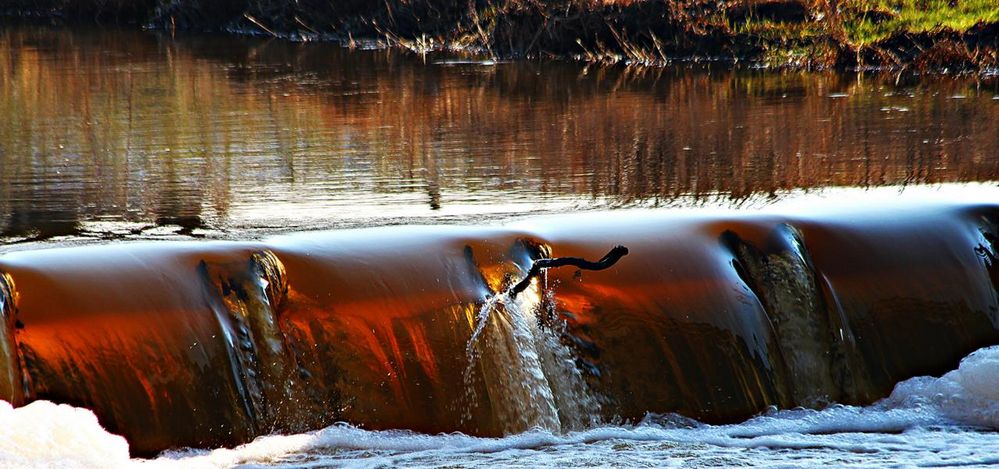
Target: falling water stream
(532, 378)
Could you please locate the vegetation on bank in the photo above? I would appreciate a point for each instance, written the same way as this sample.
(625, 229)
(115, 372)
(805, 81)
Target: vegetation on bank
(924, 35)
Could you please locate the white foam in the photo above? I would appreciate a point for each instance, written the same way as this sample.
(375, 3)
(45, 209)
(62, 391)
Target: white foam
(836, 436)
(44, 434)
(922, 423)
(967, 395)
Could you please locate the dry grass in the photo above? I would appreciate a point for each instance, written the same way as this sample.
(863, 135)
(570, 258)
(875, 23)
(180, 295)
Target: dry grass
(923, 34)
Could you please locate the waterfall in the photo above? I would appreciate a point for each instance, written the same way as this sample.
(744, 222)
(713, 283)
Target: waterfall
(531, 377)
(209, 344)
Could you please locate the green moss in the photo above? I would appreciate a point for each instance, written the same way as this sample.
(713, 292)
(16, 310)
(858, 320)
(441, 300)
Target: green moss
(869, 21)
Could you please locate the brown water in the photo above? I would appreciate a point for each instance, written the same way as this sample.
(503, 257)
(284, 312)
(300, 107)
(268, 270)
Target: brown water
(714, 317)
(128, 134)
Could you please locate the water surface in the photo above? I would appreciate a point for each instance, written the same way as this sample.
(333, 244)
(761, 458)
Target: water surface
(112, 134)
(108, 135)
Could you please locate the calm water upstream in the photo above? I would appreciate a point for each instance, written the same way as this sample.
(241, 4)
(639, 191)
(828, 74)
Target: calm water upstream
(117, 135)
(112, 134)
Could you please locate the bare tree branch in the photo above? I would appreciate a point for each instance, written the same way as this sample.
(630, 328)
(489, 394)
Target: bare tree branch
(607, 261)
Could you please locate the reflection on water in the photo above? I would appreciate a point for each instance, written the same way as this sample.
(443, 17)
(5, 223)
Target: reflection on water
(121, 132)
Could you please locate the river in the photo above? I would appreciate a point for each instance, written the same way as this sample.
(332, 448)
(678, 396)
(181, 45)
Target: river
(142, 173)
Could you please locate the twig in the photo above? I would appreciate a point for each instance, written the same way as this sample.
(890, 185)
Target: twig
(607, 261)
(478, 26)
(302, 23)
(391, 15)
(259, 24)
(537, 35)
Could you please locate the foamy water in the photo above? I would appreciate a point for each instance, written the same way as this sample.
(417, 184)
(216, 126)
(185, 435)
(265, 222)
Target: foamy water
(532, 377)
(44, 434)
(930, 422)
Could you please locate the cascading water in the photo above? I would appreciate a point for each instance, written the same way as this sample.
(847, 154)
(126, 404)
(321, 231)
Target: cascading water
(11, 385)
(578, 406)
(531, 377)
(212, 344)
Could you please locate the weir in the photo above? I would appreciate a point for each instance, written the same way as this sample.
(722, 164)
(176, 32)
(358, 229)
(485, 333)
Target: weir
(715, 317)
(12, 388)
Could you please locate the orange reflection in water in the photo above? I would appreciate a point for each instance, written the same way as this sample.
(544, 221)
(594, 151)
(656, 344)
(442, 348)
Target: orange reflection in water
(100, 128)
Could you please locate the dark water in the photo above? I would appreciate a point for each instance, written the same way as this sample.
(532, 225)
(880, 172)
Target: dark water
(129, 134)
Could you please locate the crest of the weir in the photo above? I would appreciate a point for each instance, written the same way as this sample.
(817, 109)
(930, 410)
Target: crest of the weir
(187, 344)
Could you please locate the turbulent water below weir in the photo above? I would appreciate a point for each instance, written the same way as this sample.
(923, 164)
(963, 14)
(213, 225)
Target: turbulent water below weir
(949, 421)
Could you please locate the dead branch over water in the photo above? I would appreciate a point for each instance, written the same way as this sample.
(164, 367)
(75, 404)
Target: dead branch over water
(605, 262)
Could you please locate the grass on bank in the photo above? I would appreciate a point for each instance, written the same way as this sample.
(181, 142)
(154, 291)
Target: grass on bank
(795, 33)
(925, 34)
(870, 21)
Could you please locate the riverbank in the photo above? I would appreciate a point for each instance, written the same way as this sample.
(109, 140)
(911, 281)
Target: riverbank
(936, 36)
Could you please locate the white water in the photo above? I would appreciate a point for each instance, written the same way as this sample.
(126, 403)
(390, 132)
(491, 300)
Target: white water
(929, 422)
(44, 434)
(532, 379)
